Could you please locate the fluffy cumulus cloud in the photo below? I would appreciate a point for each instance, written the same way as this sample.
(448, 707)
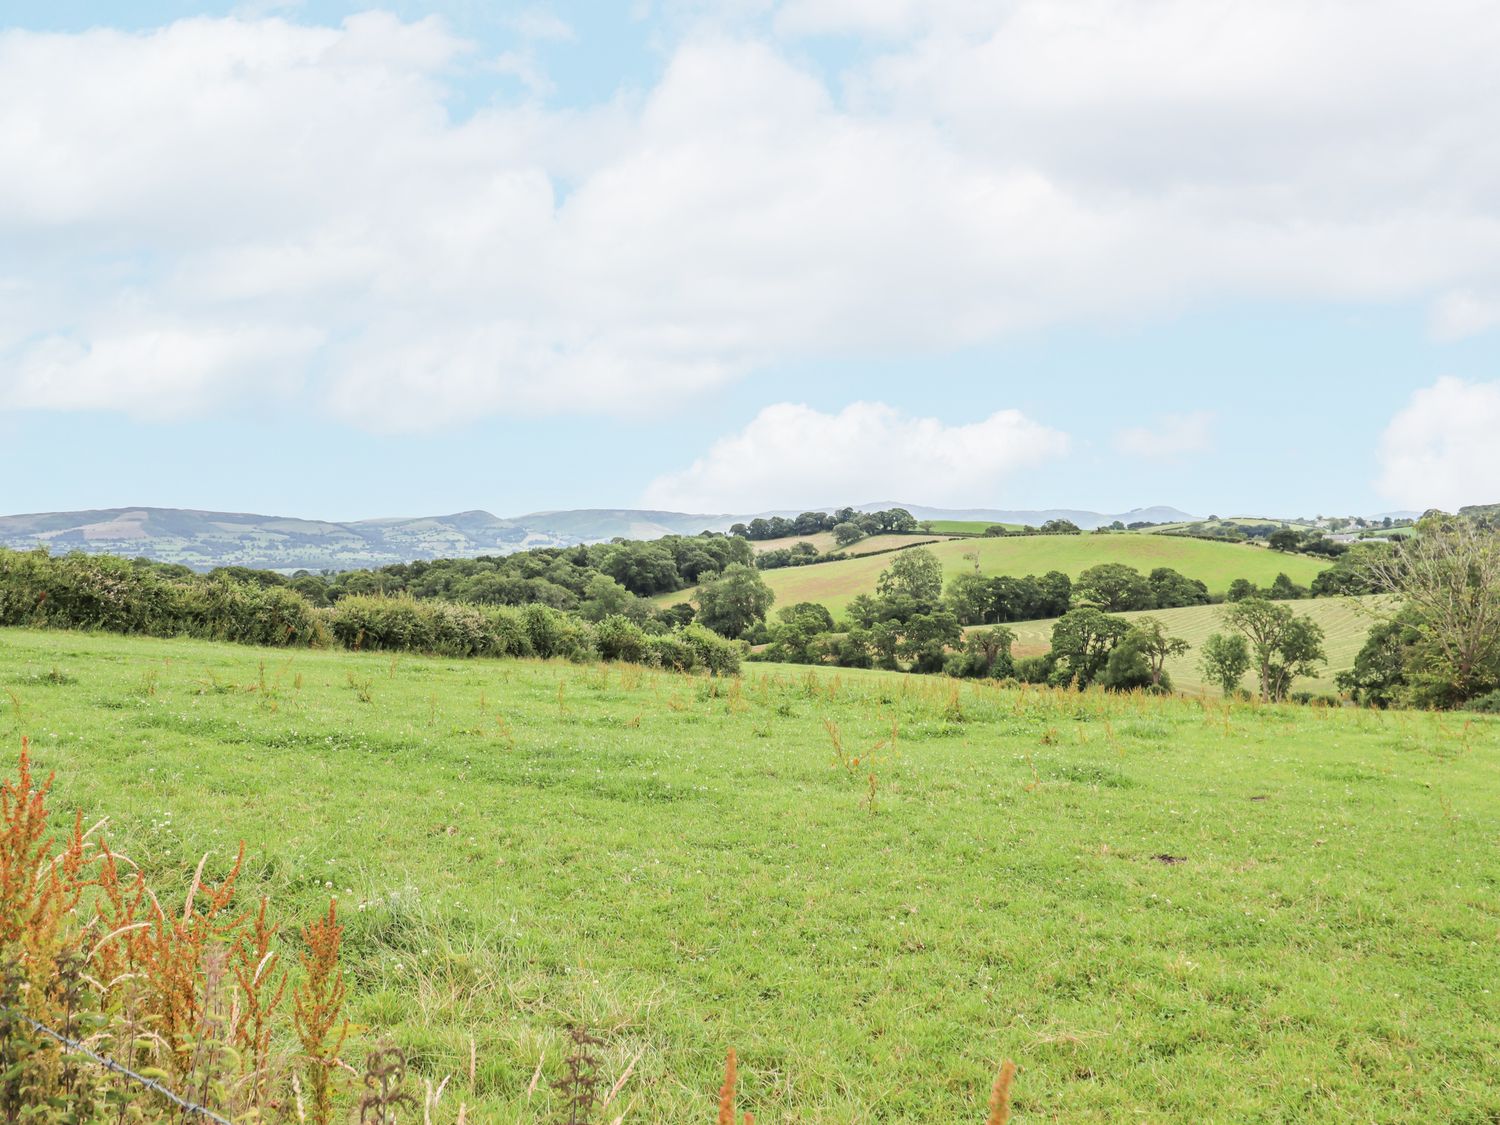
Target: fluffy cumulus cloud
(1174, 435)
(866, 452)
(1441, 450)
(222, 208)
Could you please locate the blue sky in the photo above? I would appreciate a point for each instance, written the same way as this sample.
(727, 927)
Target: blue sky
(315, 260)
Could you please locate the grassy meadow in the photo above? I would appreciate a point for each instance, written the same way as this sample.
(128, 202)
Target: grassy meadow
(827, 545)
(1162, 909)
(968, 527)
(1216, 564)
(1346, 624)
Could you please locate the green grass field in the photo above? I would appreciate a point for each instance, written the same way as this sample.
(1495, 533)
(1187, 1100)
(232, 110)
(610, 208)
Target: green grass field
(1216, 564)
(826, 544)
(1346, 623)
(1163, 910)
(967, 527)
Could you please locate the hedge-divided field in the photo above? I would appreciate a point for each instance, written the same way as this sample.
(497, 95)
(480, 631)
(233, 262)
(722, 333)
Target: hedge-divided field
(1346, 624)
(1215, 564)
(1162, 909)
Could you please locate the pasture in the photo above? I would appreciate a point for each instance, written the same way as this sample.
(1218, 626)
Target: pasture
(1346, 623)
(826, 544)
(1162, 909)
(967, 527)
(1215, 564)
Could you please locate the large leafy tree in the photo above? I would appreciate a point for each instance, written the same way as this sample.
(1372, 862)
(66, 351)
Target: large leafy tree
(1157, 646)
(1225, 659)
(1113, 588)
(1081, 642)
(1282, 643)
(915, 572)
(971, 597)
(1169, 589)
(987, 653)
(734, 601)
(1447, 578)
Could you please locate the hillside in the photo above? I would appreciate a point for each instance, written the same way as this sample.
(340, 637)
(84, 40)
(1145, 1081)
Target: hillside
(1215, 564)
(1154, 908)
(205, 539)
(1345, 621)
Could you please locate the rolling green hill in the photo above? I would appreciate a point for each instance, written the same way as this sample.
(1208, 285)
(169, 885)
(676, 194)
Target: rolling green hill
(1162, 913)
(1345, 622)
(1215, 564)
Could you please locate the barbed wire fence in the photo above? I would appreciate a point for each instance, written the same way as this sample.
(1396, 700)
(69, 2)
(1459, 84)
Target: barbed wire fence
(116, 1067)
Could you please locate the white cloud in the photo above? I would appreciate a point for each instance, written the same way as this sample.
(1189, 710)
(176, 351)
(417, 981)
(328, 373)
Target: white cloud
(1441, 450)
(302, 197)
(1174, 435)
(867, 451)
(1465, 313)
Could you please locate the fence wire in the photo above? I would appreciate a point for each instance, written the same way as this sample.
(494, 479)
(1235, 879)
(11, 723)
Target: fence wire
(119, 1068)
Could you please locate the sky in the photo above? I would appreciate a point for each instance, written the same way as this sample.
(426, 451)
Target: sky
(324, 260)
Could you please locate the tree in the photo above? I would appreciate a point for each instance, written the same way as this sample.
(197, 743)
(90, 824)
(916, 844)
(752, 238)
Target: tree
(1060, 527)
(915, 572)
(1081, 643)
(1151, 636)
(863, 611)
(1448, 577)
(1379, 676)
(1240, 589)
(1128, 667)
(1225, 659)
(1283, 644)
(971, 597)
(794, 638)
(1112, 587)
(734, 601)
(986, 654)
(604, 597)
(1285, 539)
(925, 638)
(1283, 589)
(846, 533)
(1169, 590)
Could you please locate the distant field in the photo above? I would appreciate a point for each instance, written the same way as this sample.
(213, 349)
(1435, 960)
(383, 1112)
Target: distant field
(968, 527)
(1345, 622)
(826, 545)
(1216, 564)
(822, 540)
(1163, 911)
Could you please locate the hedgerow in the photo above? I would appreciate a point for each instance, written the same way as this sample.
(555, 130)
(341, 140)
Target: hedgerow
(115, 595)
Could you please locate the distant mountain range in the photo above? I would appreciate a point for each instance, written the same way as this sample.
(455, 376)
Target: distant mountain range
(203, 540)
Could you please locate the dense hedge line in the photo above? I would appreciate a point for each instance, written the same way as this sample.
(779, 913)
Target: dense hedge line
(114, 595)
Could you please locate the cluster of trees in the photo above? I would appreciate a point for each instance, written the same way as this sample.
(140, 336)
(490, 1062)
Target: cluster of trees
(101, 592)
(913, 622)
(594, 581)
(847, 525)
(1439, 645)
(979, 599)
(1090, 646)
(1308, 541)
(904, 624)
(1051, 527)
(800, 553)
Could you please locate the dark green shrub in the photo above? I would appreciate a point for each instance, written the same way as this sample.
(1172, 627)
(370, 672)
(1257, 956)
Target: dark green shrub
(376, 623)
(717, 654)
(671, 652)
(1485, 704)
(619, 638)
